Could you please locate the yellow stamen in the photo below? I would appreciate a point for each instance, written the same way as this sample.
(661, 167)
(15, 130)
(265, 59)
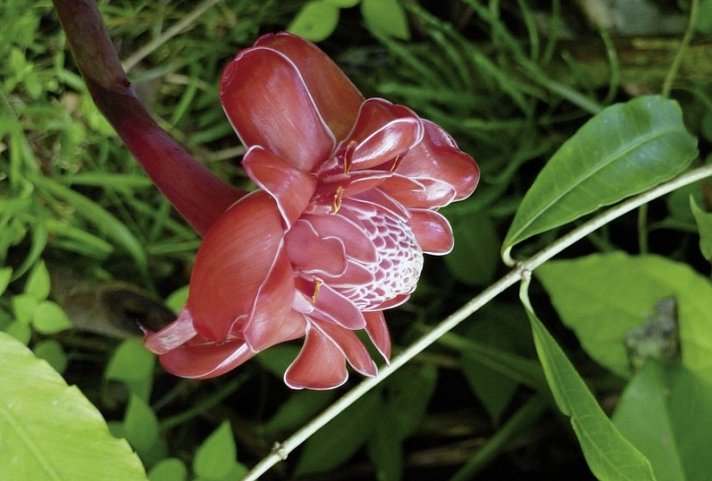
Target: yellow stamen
(338, 197)
(317, 287)
(396, 162)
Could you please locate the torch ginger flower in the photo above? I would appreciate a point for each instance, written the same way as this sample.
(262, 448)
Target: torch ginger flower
(335, 234)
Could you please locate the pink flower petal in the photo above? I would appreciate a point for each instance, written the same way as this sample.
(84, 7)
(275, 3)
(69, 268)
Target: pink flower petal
(437, 157)
(290, 187)
(377, 330)
(432, 231)
(265, 98)
(320, 364)
(173, 335)
(356, 353)
(329, 305)
(232, 264)
(354, 275)
(357, 244)
(336, 98)
(374, 114)
(203, 361)
(420, 193)
(272, 304)
(389, 142)
(311, 253)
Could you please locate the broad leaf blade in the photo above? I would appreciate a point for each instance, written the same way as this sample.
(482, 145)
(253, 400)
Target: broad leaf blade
(603, 296)
(624, 150)
(49, 430)
(610, 456)
(665, 411)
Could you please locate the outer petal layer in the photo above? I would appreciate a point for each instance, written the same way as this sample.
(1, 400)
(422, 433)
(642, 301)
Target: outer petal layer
(432, 231)
(336, 98)
(265, 98)
(203, 361)
(320, 364)
(232, 264)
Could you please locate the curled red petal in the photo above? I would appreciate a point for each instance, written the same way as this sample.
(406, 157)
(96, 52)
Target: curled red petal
(418, 193)
(264, 96)
(356, 353)
(330, 306)
(432, 231)
(203, 361)
(311, 253)
(388, 142)
(438, 157)
(320, 364)
(272, 304)
(232, 264)
(377, 330)
(354, 275)
(290, 187)
(357, 244)
(173, 335)
(373, 115)
(336, 98)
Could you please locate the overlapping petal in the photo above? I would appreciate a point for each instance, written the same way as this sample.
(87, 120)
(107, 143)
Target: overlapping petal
(319, 365)
(432, 231)
(265, 98)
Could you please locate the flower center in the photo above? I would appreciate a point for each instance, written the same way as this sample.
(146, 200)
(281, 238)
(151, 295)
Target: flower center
(398, 264)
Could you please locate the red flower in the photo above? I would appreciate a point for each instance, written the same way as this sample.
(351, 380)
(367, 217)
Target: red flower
(347, 203)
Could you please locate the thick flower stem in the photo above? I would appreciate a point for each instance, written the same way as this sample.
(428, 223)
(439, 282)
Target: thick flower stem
(196, 193)
(522, 270)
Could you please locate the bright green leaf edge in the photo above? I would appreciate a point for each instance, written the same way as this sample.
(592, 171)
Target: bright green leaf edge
(49, 430)
(608, 453)
(624, 150)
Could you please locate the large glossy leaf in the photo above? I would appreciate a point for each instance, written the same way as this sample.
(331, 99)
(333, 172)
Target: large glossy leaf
(610, 456)
(602, 297)
(49, 430)
(666, 411)
(624, 150)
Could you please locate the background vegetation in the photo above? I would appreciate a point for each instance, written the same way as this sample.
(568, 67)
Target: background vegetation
(89, 250)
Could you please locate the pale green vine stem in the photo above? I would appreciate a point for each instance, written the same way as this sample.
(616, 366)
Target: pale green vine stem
(174, 30)
(524, 268)
(677, 61)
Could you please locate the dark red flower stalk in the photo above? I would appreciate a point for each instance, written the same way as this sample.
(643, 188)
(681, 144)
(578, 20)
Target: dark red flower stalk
(196, 193)
(347, 205)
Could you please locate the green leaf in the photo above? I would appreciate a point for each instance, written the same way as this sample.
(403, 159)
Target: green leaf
(24, 306)
(20, 331)
(169, 469)
(343, 3)
(704, 226)
(177, 299)
(341, 438)
(5, 276)
(298, 409)
(602, 297)
(315, 21)
(385, 450)
(52, 352)
(49, 430)
(610, 456)
(385, 18)
(407, 396)
(38, 283)
(140, 425)
(216, 457)
(49, 318)
(666, 411)
(132, 364)
(624, 150)
(474, 258)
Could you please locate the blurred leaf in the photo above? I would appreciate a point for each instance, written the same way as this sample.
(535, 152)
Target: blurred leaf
(20, 331)
(407, 396)
(24, 306)
(624, 150)
(666, 411)
(277, 359)
(704, 226)
(298, 409)
(52, 352)
(315, 21)
(170, 469)
(38, 284)
(603, 296)
(340, 438)
(216, 458)
(50, 430)
(385, 450)
(177, 299)
(5, 275)
(474, 258)
(344, 3)
(140, 425)
(704, 17)
(610, 456)
(385, 18)
(49, 318)
(132, 364)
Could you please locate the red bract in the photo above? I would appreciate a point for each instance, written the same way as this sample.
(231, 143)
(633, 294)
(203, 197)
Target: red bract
(347, 203)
